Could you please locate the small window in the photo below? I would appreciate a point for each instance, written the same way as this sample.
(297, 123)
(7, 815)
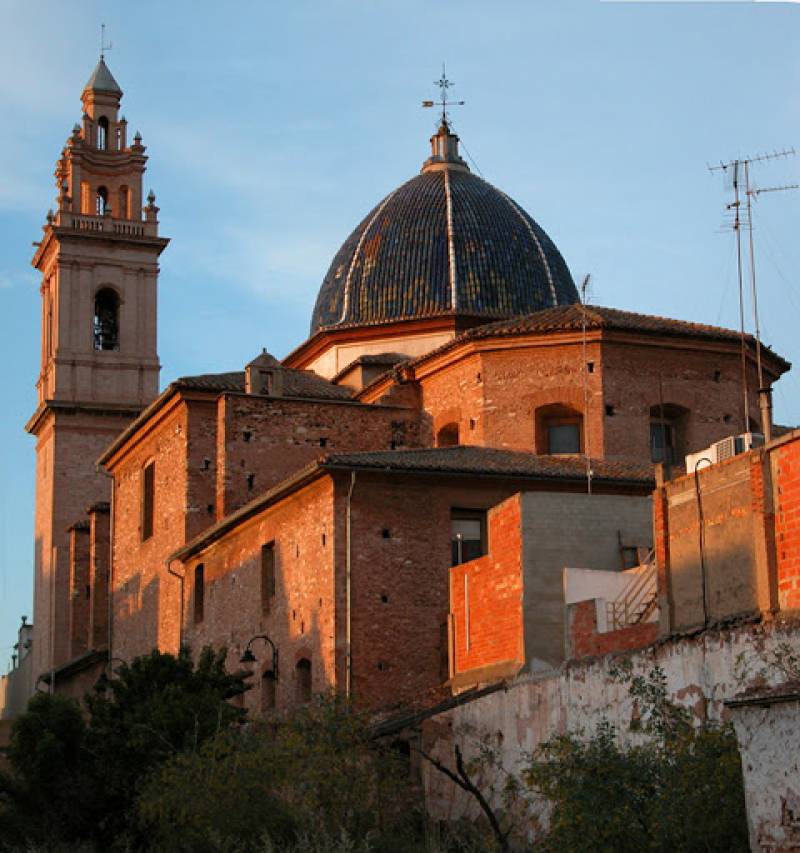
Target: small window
(105, 324)
(267, 576)
(268, 691)
(662, 441)
(447, 436)
(467, 535)
(101, 201)
(559, 430)
(303, 680)
(148, 499)
(199, 592)
(668, 422)
(563, 438)
(102, 133)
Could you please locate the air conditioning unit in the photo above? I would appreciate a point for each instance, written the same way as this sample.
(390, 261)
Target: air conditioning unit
(728, 447)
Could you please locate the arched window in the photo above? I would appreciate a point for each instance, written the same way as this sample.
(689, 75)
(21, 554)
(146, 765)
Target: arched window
(447, 436)
(667, 432)
(102, 133)
(106, 320)
(101, 201)
(303, 680)
(124, 203)
(268, 690)
(559, 430)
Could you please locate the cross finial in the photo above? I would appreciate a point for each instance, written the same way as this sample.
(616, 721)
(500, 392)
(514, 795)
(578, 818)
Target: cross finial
(444, 84)
(103, 46)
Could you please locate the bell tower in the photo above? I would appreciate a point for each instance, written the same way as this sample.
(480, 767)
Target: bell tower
(98, 260)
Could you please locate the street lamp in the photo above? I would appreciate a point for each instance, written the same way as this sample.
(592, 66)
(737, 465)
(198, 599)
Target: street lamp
(249, 657)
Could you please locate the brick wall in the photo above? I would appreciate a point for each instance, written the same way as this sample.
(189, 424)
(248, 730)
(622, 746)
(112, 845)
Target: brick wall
(300, 619)
(486, 598)
(586, 641)
(261, 441)
(713, 543)
(99, 565)
(79, 588)
(67, 481)
(786, 468)
(145, 600)
(494, 394)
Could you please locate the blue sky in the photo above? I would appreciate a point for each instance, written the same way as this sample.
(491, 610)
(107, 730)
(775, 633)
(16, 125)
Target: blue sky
(273, 127)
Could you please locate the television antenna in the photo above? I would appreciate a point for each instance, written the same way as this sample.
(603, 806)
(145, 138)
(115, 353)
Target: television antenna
(736, 171)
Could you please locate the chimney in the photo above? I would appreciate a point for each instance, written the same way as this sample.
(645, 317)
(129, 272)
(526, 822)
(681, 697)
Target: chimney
(765, 405)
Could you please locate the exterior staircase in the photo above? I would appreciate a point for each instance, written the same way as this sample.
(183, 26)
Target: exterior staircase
(638, 600)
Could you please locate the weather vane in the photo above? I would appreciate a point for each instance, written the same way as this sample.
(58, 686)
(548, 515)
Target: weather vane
(444, 84)
(103, 46)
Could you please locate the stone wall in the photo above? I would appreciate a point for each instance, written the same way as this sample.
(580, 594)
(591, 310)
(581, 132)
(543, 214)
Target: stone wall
(703, 670)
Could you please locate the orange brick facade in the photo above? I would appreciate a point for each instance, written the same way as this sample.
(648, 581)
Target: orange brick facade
(787, 524)
(486, 599)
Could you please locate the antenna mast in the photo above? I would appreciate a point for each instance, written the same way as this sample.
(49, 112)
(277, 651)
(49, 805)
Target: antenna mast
(736, 166)
(586, 448)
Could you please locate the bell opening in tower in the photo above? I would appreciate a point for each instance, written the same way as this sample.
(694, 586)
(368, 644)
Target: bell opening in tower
(106, 320)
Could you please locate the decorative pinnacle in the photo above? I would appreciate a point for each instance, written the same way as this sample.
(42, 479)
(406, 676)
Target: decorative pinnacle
(444, 84)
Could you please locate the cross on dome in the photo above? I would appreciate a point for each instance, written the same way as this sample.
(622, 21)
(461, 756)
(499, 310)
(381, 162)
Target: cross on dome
(444, 84)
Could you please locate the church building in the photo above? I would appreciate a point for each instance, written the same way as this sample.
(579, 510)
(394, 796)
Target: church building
(454, 397)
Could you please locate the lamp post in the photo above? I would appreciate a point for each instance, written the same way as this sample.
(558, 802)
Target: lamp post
(249, 657)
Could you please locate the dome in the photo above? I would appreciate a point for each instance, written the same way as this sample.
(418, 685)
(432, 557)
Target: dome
(444, 243)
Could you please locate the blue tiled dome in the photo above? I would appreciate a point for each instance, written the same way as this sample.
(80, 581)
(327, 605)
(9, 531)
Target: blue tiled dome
(444, 243)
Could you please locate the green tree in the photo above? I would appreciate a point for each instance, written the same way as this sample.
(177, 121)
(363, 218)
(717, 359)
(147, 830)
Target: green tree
(678, 787)
(79, 778)
(51, 773)
(316, 773)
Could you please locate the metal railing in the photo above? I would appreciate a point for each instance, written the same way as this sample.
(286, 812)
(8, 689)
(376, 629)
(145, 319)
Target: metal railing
(638, 599)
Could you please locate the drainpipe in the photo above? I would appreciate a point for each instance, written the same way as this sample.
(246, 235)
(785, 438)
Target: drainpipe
(348, 678)
(181, 578)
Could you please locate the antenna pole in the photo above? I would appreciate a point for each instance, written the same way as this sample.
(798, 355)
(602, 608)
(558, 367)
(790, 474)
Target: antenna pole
(737, 227)
(753, 291)
(586, 447)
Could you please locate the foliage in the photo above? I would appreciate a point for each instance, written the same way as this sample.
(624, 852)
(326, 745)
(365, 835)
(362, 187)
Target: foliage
(316, 772)
(77, 778)
(50, 770)
(677, 788)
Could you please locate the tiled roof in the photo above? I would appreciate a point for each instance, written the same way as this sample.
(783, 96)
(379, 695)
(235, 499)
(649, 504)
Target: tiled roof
(296, 383)
(462, 460)
(102, 80)
(466, 459)
(571, 318)
(445, 242)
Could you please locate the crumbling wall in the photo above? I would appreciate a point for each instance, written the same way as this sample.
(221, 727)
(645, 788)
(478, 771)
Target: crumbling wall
(702, 669)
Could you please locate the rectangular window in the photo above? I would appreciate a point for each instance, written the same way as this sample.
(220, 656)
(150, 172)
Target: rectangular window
(467, 535)
(564, 437)
(267, 576)
(199, 592)
(662, 442)
(148, 499)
